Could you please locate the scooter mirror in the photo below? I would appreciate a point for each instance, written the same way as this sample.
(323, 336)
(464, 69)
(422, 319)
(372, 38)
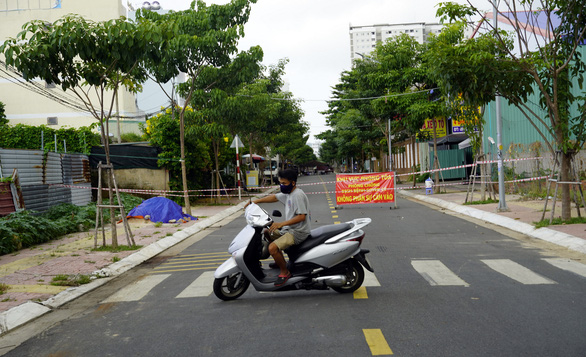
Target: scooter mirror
(277, 213)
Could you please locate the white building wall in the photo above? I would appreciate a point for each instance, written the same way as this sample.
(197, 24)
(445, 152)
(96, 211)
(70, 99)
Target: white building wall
(27, 107)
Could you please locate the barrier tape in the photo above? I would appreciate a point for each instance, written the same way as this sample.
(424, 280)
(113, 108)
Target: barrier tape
(179, 193)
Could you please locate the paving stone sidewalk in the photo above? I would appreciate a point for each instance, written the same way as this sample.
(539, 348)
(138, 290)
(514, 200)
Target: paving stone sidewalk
(30, 272)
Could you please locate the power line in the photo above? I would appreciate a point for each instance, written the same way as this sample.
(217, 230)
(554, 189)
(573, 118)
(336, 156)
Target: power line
(62, 97)
(343, 99)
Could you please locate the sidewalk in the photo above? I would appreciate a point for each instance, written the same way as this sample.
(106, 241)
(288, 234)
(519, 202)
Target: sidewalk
(29, 272)
(520, 217)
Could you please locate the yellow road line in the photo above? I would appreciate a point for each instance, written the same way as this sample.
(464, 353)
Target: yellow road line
(203, 254)
(189, 269)
(377, 343)
(182, 261)
(334, 211)
(185, 265)
(334, 216)
(361, 293)
(337, 222)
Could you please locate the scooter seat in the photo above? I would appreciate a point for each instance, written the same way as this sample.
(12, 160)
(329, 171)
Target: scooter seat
(318, 236)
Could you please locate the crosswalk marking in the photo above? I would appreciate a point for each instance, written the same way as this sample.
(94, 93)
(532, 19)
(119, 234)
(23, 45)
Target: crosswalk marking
(138, 289)
(568, 265)
(433, 271)
(517, 272)
(202, 286)
(191, 262)
(370, 279)
(436, 273)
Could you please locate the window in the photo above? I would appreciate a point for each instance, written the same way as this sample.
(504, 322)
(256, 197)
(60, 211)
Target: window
(52, 121)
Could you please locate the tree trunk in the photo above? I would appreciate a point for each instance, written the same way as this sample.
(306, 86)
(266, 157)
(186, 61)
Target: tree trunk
(413, 160)
(106, 140)
(216, 145)
(183, 166)
(565, 176)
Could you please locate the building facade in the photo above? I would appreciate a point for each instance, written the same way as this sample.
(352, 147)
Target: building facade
(40, 103)
(363, 39)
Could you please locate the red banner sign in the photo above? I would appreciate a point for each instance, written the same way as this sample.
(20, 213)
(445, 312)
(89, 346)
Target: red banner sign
(365, 188)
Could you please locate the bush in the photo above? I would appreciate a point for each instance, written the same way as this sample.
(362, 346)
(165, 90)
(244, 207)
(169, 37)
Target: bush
(27, 228)
(131, 138)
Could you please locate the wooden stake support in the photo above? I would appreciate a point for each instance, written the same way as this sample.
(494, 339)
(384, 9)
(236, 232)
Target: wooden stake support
(472, 183)
(557, 182)
(99, 207)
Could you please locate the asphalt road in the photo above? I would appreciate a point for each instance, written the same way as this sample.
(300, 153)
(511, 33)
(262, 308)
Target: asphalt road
(443, 286)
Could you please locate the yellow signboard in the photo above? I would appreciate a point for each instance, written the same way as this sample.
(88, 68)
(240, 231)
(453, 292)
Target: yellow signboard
(440, 124)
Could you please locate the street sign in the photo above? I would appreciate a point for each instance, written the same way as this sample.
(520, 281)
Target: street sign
(236, 143)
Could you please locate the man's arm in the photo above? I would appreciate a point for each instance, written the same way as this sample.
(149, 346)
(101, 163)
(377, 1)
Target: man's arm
(266, 199)
(294, 220)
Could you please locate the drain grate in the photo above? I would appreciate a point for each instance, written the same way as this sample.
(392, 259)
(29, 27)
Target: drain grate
(381, 248)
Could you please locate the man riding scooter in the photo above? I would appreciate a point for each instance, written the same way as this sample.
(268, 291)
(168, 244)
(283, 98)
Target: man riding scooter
(296, 227)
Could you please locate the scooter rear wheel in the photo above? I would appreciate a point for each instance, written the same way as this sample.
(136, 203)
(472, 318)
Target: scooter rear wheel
(231, 287)
(354, 277)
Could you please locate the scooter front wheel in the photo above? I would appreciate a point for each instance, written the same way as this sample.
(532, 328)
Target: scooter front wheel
(231, 287)
(354, 277)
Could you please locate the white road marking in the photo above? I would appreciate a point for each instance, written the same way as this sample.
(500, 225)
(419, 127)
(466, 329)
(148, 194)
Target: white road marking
(138, 289)
(517, 272)
(568, 265)
(370, 279)
(202, 286)
(436, 273)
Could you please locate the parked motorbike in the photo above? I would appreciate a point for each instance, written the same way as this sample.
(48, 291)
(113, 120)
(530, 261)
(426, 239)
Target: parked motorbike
(330, 257)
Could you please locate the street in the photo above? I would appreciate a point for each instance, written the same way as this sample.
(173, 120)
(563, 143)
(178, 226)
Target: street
(442, 286)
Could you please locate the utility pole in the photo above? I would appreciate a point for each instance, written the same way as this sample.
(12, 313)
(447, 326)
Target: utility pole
(502, 207)
(390, 156)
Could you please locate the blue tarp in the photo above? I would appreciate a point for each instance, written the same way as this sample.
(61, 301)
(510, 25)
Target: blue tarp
(160, 209)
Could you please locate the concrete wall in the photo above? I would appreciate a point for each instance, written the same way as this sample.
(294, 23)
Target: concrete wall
(144, 179)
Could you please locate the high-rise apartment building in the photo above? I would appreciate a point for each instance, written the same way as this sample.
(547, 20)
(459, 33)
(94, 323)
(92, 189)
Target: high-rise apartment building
(363, 39)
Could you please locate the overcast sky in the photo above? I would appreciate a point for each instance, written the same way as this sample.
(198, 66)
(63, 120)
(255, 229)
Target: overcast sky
(314, 36)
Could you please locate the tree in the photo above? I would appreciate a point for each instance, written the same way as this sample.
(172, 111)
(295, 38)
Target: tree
(200, 37)
(391, 85)
(517, 64)
(91, 59)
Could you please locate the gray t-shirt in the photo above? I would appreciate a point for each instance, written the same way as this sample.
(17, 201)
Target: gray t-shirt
(296, 203)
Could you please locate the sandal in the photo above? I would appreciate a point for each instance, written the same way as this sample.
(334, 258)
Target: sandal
(282, 279)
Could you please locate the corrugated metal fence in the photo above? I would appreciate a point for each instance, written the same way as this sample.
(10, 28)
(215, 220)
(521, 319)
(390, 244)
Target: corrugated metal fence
(40, 174)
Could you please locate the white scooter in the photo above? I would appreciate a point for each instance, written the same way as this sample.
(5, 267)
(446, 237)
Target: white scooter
(330, 257)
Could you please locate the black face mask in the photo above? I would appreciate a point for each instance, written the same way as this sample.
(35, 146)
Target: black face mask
(286, 189)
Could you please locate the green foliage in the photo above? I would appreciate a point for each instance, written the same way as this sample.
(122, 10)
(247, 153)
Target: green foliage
(70, 280)
(559, 221)
(131, 138)
(118, 249)
(518, 63)
(396, 76)
(24, 229)
(162, 131)
(485, 202)
(3, 120)
(29, 137)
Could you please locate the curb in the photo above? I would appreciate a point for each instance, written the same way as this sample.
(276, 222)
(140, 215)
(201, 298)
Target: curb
(20, 315)
(546, 234)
